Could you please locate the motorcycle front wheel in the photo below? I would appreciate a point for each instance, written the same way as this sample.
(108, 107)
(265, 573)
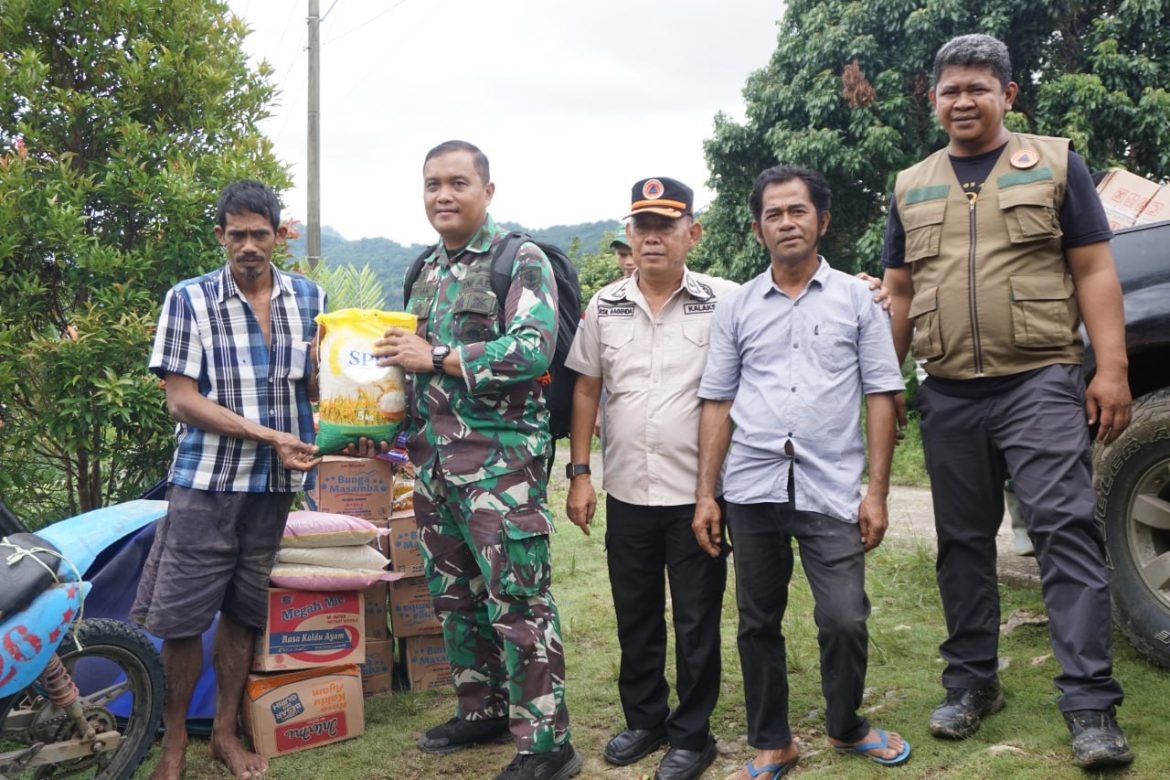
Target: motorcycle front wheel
(120, 677)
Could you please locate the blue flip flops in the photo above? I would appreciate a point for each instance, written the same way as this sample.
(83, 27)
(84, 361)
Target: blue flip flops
(777, 770)
(863, 750)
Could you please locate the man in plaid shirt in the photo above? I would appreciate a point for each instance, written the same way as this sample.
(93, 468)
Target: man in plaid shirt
(235, 347)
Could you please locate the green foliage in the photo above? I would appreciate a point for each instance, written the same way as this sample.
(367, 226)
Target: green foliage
(120, 121)
(597, 269)
(846, 93)
(349, 287)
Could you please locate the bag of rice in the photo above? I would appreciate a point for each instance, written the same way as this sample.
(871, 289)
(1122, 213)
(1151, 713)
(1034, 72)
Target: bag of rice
(358, 397)
(360, 556)
(300, 576)
(325, 529)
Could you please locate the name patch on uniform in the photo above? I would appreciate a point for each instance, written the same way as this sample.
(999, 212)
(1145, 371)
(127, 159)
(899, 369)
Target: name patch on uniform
(616, 311)
(699, 308)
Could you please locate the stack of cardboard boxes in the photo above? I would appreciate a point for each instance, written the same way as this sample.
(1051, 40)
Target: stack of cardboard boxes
(412, 615)
(1130, 199)
(322, 651)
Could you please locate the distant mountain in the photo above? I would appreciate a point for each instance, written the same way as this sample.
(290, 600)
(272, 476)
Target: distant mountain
(389, 259)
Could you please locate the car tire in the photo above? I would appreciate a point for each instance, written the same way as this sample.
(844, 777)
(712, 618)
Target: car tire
(1133, 508)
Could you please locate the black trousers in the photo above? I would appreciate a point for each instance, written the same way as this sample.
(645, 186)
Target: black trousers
(833, 558)
(640, 542)
(1036, 433)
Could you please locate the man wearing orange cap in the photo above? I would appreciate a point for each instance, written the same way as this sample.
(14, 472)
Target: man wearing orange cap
(644, 341)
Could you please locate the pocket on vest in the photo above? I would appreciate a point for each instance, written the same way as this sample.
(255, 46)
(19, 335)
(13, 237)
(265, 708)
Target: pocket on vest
(922, 223)
(1043, 310)
(927, 343)
(1030, 213)
(475, 316)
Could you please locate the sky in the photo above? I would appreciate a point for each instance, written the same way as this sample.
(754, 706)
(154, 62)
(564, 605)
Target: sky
(571, 101)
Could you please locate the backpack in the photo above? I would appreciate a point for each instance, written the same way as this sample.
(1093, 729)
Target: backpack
(558, 382)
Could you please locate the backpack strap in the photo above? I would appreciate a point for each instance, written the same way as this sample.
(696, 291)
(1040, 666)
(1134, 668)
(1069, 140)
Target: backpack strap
(502, 261)
(412, 272)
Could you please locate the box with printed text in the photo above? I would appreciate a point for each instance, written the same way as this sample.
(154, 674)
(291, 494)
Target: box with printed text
(427, 667)
(292, 711)
(405, 554)
(359, 487)
(411, 610)
(307, 629)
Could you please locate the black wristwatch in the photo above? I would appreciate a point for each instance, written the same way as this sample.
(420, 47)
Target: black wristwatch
(576, 470)
(437, 354)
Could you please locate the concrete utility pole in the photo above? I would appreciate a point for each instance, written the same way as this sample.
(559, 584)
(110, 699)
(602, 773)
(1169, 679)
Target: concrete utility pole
(314, 215)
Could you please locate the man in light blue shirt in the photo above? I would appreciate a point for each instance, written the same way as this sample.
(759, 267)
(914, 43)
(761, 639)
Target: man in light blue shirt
(792, 354)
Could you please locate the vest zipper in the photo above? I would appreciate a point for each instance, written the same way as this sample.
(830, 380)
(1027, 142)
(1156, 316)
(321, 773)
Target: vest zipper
(971, 298)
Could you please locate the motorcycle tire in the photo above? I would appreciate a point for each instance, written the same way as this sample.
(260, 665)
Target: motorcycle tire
(104, 650)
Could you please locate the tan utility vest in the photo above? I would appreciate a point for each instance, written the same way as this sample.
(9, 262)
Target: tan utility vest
(992, 292)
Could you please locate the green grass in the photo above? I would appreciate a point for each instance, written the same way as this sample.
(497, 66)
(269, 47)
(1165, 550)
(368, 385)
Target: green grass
(1027, 740)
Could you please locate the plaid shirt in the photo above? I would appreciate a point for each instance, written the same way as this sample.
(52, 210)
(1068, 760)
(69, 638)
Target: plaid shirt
(207, 332)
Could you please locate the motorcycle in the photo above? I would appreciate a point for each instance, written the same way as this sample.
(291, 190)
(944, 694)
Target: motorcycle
(78, 697)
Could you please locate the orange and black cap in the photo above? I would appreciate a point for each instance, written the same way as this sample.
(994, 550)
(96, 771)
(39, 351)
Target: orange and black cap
(662, 195)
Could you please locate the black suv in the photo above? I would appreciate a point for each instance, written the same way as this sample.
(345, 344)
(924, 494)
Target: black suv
(1133, 473)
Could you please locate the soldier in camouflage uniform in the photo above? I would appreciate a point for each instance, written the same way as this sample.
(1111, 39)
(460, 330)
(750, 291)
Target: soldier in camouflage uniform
(479, 438)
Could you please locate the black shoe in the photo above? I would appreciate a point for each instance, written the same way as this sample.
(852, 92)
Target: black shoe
(1097, 740)
(960, 715)
(457, 734)
(559, 764)
(634, 744)
(679, 764)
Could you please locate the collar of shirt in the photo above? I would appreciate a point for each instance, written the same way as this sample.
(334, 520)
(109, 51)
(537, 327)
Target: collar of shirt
(480, 242)
(628, 290)
(229, 289)
(820, 276)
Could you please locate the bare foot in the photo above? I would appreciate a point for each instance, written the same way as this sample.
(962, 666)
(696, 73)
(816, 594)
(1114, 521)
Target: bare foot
(243, 764)
(892, 749)
(780, 760)
(174, 756)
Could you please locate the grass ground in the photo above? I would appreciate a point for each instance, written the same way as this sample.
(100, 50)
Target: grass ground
(1028, 740)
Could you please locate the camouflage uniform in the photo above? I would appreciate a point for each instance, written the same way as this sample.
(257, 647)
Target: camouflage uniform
(478, 443)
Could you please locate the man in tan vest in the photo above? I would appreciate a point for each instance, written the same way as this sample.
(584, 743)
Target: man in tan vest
(996, 248)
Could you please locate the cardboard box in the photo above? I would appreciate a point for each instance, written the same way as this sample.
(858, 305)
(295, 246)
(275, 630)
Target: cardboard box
(284, 713)
(377, 685)
(378, 669)
(405, 554)
(1124, 196)
(359, 487)
(307, 629)
(411, 611)
(379, 658)
(1157, 209)
(425, 659)
(376, 605)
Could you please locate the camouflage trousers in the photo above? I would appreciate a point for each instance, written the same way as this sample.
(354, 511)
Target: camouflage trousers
(485, 552)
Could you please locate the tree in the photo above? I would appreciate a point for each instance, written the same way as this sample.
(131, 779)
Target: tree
(120, 121)
(846, 93)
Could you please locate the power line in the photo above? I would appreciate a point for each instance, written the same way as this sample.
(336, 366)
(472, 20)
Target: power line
(363, 24)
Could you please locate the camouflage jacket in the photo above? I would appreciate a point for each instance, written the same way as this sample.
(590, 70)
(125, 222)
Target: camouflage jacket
(491, 420)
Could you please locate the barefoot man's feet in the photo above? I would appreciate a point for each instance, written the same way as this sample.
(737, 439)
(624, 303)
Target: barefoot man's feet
(174, 757)
(243, 764)
(883, 747)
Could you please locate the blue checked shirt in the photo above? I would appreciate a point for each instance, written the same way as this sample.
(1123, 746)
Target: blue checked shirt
(797, 369)
(207, 332)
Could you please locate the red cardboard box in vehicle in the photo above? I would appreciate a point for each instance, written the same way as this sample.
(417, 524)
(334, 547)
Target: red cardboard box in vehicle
(308, 629)
(1124, 196)
(292, 711)
(358, 487)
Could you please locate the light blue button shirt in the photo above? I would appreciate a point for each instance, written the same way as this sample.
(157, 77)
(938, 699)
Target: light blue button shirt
(797, 369)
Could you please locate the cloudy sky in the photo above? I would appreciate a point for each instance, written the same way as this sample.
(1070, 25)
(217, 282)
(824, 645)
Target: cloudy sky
(571, 101)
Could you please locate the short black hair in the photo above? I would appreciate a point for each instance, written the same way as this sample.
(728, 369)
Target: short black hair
(478, 158)
(975, 51)
(248, 195)
(818, 187)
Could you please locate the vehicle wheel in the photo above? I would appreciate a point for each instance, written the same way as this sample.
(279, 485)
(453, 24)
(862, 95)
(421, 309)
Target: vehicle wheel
(120, 678)
(1133, 507)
